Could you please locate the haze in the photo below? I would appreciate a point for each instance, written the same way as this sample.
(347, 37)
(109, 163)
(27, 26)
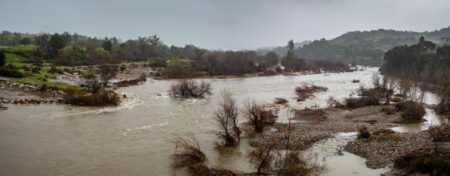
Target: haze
(230, 24)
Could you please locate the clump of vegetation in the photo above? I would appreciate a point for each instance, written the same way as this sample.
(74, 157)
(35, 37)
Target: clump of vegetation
(188, 88)
(101, 97)
(257, 117)
(226, 116)
(261, 158)
(158, 62)
(423, 163)
(411, 111)
(107, 71)
(363, 133)
(305, 91)
(352, 103)
(188, 154)
(280, 101)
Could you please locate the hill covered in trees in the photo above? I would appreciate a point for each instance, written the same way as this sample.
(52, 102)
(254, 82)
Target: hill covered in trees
(365, 47)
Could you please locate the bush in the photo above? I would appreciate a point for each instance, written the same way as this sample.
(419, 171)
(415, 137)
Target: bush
(305, 91)
(10, 72)
(157, 62)
(257, 117)
(411, 111)
(101, 97)
(280, 101)
(352, 103)
(187, 88)
(423, 163)
(363, 133)
(189, 155)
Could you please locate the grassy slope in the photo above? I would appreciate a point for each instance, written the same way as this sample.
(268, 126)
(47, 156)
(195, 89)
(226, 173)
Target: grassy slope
(16, 55)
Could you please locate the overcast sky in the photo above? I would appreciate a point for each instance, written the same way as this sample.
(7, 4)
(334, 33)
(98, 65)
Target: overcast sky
(222, 24)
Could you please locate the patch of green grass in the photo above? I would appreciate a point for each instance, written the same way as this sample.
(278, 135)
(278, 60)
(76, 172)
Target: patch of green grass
(26, 50)
(13, 58)
(32, 81)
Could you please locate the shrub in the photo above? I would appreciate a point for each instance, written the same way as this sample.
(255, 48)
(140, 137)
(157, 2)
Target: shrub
(189, 155)
(352, 103)
(226, 117)
(187, 88)
(280, 101)
(157, 62)
(305, 91)
(257, 117)
(101, 97)
(423, 163)
(363, 133)
(411, 111)
(10, 72)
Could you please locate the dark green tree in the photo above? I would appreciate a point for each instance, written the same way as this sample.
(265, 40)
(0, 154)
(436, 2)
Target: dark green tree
(25, 41)
(290, 52)
(56, 43)
(107, 45)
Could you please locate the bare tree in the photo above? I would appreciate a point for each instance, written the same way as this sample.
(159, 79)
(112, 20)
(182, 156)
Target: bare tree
(188, 88)
(436, 136)
(190, 153)
(262, 158)
(227, 118)
(257, 116)
(388, 86)
(106, 72)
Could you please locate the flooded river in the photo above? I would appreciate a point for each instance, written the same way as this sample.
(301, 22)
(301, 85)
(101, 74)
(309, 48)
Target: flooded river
(133, 138)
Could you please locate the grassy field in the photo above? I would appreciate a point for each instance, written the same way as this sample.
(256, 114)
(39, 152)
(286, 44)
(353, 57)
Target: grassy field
(17, 55)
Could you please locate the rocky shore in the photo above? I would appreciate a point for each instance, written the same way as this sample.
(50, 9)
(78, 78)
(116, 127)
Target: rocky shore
(380, 151)
(308, 131)
(16, 93)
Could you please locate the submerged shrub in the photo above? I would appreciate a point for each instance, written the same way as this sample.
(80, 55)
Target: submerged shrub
(188, 154)
(187, 88)
(305, 91)
(101, 97)
(257, 117)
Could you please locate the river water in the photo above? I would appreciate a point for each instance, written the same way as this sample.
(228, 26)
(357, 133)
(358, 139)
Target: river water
(134, 138)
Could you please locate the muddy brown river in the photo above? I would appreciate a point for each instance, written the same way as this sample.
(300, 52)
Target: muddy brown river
(133, 138)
